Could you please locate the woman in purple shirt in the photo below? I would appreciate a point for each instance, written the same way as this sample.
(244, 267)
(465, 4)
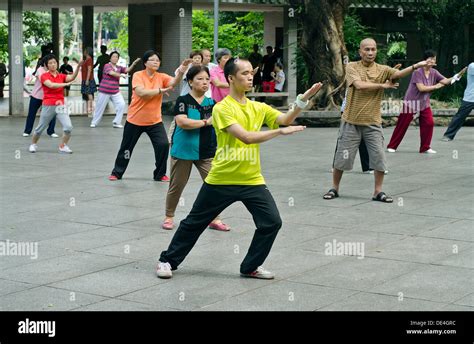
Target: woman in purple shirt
(109, 89)
(417, 99)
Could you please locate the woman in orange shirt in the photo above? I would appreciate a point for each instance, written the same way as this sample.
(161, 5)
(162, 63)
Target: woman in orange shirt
(144, 115)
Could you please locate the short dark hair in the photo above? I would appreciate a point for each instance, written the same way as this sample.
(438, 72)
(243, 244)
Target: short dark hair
(279, 64)
(231, 67)
(196, 53)
(429, 53)
(66, 58)
(195, 70)
(49, 57)
(114, 52)
(103, 47)
(148, 54)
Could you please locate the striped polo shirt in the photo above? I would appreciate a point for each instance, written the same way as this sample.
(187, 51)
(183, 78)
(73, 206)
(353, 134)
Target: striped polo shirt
(109, 83)
(363, 107)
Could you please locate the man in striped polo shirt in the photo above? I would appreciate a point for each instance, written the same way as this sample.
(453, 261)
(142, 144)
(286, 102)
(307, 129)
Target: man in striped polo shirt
(362, 118)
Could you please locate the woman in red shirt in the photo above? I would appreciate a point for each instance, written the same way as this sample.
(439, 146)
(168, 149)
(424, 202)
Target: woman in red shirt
(53, 103)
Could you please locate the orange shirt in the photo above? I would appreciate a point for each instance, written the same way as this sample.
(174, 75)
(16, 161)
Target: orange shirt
(147, 111)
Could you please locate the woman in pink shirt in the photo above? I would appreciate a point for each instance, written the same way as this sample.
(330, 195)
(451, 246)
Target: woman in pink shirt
(219, 85)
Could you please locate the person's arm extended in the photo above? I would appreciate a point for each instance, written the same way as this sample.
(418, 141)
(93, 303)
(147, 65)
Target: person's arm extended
(73, 76)
(220, 84)
(367, 85)
(422, 88)
(50, 84)
(130, 68)
(181, 71)
(186, 123)
(454, 78)
(289, 117)
(406, 71)
(251, 137)
(144, 93)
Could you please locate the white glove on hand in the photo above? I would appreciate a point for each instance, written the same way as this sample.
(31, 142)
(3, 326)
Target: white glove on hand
(455, 78)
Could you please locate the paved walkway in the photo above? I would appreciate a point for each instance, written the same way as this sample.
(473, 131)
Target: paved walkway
(98, 241)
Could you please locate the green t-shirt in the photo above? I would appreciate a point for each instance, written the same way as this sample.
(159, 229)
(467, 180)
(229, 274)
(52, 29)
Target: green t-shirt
(235, 162)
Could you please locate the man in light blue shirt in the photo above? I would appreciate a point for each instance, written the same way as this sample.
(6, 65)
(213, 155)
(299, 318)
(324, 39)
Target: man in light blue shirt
(467, 106)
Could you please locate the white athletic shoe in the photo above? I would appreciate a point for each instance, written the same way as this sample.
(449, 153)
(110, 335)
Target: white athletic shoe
(115, 125)
(54, 135)
(33, 148)
(391, 150)
(260, 273)
(93, 125)
(65, 149)
(430, 151)
(26, 134)
(163, 270)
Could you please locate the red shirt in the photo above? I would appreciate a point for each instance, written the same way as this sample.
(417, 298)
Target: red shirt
(88, 62)
(53, 96)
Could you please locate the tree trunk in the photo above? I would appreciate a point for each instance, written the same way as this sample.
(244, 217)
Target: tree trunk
(61, 38)
(321, 41)
(99, 33)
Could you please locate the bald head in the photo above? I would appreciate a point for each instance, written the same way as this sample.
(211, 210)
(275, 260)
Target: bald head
(368, 51)
(367, 41)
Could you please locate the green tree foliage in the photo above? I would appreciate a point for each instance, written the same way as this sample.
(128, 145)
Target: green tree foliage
(120, 26)
(238, 31)
(443, 26)
(3, 37)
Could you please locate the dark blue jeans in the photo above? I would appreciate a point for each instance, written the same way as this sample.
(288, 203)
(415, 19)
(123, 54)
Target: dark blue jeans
(35, 104)
(458, 119)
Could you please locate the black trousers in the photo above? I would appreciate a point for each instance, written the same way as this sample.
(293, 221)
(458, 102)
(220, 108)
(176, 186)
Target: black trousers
(131, 134)
(210, 202)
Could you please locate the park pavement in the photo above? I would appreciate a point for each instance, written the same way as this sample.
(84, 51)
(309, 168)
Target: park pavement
(98, 241)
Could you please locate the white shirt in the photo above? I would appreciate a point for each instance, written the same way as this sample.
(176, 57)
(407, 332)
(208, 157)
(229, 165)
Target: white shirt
(279, 85)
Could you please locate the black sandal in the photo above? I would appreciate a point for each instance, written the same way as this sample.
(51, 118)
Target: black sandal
(331, 194)
(382, 197)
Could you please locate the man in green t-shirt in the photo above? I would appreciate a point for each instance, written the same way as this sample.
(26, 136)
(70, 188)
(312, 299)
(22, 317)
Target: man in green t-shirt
(236, 174)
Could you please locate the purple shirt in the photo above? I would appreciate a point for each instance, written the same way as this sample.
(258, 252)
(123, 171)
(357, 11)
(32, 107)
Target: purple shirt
(415, 100)
(38, 87)
(218, 93)
(110, 84)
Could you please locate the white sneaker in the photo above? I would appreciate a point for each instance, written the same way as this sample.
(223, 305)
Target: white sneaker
(391, 150)
(33, 148)
(163, 270)
(368, 172)
(260, 273)
(54, 135)
(65, 149)
(430, 151)
(445, 138)
(26, 134)
(385, 172)
(117, 126)
(93, 125)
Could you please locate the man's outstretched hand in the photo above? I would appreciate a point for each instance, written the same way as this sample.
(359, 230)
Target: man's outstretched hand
(292, 129)
(312, 91)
